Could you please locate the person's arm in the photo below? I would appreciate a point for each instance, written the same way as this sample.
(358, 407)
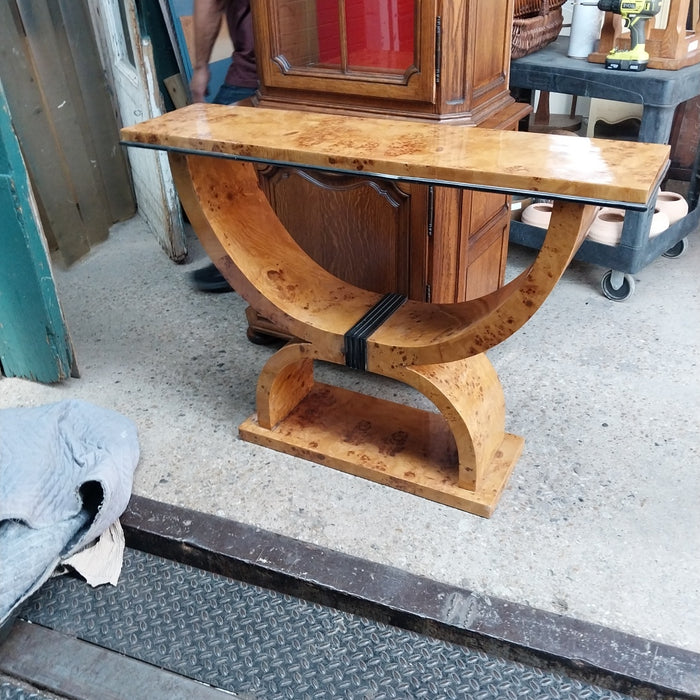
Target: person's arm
(207, 16)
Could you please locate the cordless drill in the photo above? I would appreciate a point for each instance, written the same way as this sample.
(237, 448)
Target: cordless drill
(635, 14)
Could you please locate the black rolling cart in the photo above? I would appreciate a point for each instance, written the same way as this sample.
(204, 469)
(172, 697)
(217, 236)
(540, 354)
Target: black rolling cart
(659, 92)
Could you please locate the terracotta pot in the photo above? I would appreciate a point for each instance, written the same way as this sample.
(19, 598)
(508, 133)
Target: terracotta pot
(673, 205)
(518, 206)
(607, 226)
(659, 222)
(537, 214)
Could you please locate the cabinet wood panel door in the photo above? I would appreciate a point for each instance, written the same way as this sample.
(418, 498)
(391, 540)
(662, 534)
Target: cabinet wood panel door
(436, 60)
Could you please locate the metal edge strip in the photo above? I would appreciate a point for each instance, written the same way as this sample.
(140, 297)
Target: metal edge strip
(590, 652)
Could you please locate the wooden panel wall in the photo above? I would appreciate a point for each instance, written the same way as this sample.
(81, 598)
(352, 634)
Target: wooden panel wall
(65, 121)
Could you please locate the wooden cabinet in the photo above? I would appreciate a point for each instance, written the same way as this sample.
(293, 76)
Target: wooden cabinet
(435, 60)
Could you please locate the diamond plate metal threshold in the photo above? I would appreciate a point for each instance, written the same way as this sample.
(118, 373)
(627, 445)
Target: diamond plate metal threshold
(37, 662)
(206, 603)
(588, 652)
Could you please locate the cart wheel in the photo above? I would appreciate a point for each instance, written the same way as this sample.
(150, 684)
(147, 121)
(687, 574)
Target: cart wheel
(677, 250)
(617, 286)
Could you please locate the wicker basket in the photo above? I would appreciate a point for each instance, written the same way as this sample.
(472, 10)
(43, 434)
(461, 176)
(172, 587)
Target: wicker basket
(536, 23)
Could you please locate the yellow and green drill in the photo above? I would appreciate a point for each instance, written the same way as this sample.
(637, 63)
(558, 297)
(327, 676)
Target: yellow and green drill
(635, 14)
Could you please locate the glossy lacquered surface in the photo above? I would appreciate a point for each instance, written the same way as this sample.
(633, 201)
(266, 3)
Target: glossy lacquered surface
(584, 169)
(462, 457)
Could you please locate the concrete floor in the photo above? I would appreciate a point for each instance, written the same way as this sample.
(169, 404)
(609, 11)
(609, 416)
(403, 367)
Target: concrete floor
(599, 521)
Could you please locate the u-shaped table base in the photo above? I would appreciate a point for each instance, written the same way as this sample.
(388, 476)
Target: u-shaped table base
(459, 456)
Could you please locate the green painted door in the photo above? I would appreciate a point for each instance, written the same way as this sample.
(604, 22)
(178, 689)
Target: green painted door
(34, 341)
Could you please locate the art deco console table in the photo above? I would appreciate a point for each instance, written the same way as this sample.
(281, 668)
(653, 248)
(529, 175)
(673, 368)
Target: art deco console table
(461, 455)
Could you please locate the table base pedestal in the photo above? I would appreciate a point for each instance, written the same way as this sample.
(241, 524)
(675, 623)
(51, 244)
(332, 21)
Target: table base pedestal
(460, 456)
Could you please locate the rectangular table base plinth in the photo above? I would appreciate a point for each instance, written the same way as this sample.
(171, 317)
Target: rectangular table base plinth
(399, 446)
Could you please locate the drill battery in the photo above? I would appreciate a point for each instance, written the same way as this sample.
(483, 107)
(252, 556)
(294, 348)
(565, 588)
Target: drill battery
(635, 14)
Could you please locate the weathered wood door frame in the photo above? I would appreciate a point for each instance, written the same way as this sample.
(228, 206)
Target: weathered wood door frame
(128, 59)
(34, 340)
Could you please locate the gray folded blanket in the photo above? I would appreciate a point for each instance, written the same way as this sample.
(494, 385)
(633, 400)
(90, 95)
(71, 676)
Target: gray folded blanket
(66, 473)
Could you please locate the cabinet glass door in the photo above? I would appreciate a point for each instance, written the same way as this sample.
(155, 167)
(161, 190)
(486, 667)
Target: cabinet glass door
(383, 48)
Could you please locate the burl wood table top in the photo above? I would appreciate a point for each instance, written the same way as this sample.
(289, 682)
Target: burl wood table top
(563, 167)
(464, 459)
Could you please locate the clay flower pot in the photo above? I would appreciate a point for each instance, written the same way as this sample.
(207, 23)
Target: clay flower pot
(607, 225)
(537, 214)
(673, 205)
(659, 222)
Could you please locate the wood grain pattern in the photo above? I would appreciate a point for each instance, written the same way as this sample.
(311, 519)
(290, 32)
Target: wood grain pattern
(458, 71)
(598, 170)
(366, 246)
(460, 455)
(276, 277)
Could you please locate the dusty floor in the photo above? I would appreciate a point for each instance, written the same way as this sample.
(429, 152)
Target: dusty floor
(600, 518)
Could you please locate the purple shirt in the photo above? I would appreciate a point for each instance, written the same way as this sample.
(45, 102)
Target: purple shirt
(242, 72)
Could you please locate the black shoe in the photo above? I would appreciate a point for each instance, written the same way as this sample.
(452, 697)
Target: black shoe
(209, 279)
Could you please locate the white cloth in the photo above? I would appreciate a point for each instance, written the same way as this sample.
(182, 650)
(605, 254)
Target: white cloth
(66, 473)
(101, 562)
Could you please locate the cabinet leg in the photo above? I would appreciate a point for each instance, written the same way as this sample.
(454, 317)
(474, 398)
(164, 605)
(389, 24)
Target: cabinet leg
(263, 332)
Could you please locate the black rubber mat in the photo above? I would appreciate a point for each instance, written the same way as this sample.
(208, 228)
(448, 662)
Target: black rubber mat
(263, 644)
